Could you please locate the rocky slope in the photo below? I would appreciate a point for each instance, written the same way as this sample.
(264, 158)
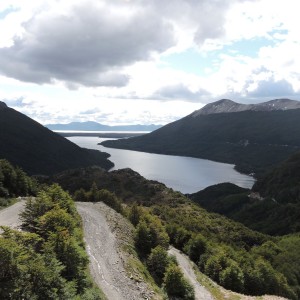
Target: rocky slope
(229, 106)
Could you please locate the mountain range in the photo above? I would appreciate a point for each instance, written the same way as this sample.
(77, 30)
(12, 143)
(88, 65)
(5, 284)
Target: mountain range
(94, 126)
(228, 106)
(38, 150)
(253, 137)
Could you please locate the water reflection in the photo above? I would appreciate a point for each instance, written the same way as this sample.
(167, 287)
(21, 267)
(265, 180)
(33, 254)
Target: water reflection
(184, 174)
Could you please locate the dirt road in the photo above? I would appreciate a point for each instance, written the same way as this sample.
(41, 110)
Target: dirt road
(10, 215)
(201, 293)
(106, 260)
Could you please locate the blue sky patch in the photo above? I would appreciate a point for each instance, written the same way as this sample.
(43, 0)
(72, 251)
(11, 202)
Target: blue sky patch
(7, 11)
(248, 48)
(190, 61)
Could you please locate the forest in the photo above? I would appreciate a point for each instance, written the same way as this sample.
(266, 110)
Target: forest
(51, 244)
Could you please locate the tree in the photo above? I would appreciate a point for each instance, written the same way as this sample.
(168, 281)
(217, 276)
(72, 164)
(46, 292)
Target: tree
(157, 263)
(232, 278)
(195, 247)
(80, 195)
(135, 214)
(176, 285)
(143, 239)
(55, 220)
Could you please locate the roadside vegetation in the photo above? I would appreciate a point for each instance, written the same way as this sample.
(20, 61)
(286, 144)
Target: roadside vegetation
(14, 183)
(46, 260)
(231, 254)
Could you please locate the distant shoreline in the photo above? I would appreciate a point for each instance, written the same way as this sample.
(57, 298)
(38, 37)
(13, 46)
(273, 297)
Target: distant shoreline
(104, 134)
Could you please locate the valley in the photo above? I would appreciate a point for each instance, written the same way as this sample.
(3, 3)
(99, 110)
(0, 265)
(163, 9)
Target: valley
(254, 138)
(246, 241)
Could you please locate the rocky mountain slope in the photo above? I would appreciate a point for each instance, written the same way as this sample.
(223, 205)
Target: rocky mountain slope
(229, 106)
(254, 139)
(38, 150)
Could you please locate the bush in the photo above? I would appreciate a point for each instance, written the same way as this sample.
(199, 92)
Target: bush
(176, 285)
(157, 263)
(195, 247)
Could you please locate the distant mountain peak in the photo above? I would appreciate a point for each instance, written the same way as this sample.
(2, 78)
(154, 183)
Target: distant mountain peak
(2, 105)
(229, 106)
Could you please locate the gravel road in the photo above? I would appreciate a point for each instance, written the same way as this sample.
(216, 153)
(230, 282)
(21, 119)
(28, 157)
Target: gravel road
(185, 264)
(10, 215)
(106, 259)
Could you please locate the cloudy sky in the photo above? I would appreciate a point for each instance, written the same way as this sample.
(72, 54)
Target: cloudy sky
(144, 61)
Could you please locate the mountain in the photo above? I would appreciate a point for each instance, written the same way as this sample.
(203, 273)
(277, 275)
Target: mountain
(254, 140)
(38, 150)
(228, 106)
(94, 126)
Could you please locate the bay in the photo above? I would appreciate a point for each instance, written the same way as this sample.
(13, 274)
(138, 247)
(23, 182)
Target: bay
(184, 174)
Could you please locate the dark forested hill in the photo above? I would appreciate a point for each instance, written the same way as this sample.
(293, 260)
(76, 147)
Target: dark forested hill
(273, 206)
(38, 150)
(283, 182)
(253, 140)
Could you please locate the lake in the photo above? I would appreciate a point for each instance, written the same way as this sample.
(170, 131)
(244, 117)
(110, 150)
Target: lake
(184, 174)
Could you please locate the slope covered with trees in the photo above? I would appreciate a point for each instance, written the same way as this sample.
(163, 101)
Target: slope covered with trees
(14, 183)
(38, 150)
(252, 140)
(48, 260)
(273, 205)
(231, 254)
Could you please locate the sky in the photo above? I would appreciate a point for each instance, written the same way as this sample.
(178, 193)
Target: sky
(144, 61)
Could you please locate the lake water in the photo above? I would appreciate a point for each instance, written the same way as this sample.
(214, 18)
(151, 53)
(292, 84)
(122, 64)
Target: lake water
(184, 174)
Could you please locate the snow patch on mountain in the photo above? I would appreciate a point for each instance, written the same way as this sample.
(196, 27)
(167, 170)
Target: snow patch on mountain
(229, 106)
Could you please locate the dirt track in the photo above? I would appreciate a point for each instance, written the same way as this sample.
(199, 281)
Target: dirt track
(201, 293)
(10, 216)
(106, 260)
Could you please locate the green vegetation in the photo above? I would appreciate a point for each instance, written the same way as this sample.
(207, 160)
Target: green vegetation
(231, 254)
(241, 205)
(14, 182)
(152, 242)
(96, 195)
(252, 140)
(48, 260)
(38, 150)
(176, 285)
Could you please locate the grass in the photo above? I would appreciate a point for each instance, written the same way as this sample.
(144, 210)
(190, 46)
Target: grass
(6, 202)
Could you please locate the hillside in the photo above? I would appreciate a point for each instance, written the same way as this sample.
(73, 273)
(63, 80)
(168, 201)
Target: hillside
(273, 205)
(228, 252)
(253, 140)
(38, 150)
(263, 214)
(94, 126)
(283, 182)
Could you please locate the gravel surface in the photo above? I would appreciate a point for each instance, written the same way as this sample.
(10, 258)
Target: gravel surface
(10, 215)
(107, 260)
(201, 293)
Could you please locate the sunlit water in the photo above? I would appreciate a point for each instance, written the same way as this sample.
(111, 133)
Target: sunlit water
(184, 174)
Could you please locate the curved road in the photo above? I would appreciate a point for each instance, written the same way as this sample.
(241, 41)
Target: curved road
(201, 293)
(10, 215)
(106, 260)
(106, 263)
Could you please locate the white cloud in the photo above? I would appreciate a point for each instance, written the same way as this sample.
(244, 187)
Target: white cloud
(108, 55)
